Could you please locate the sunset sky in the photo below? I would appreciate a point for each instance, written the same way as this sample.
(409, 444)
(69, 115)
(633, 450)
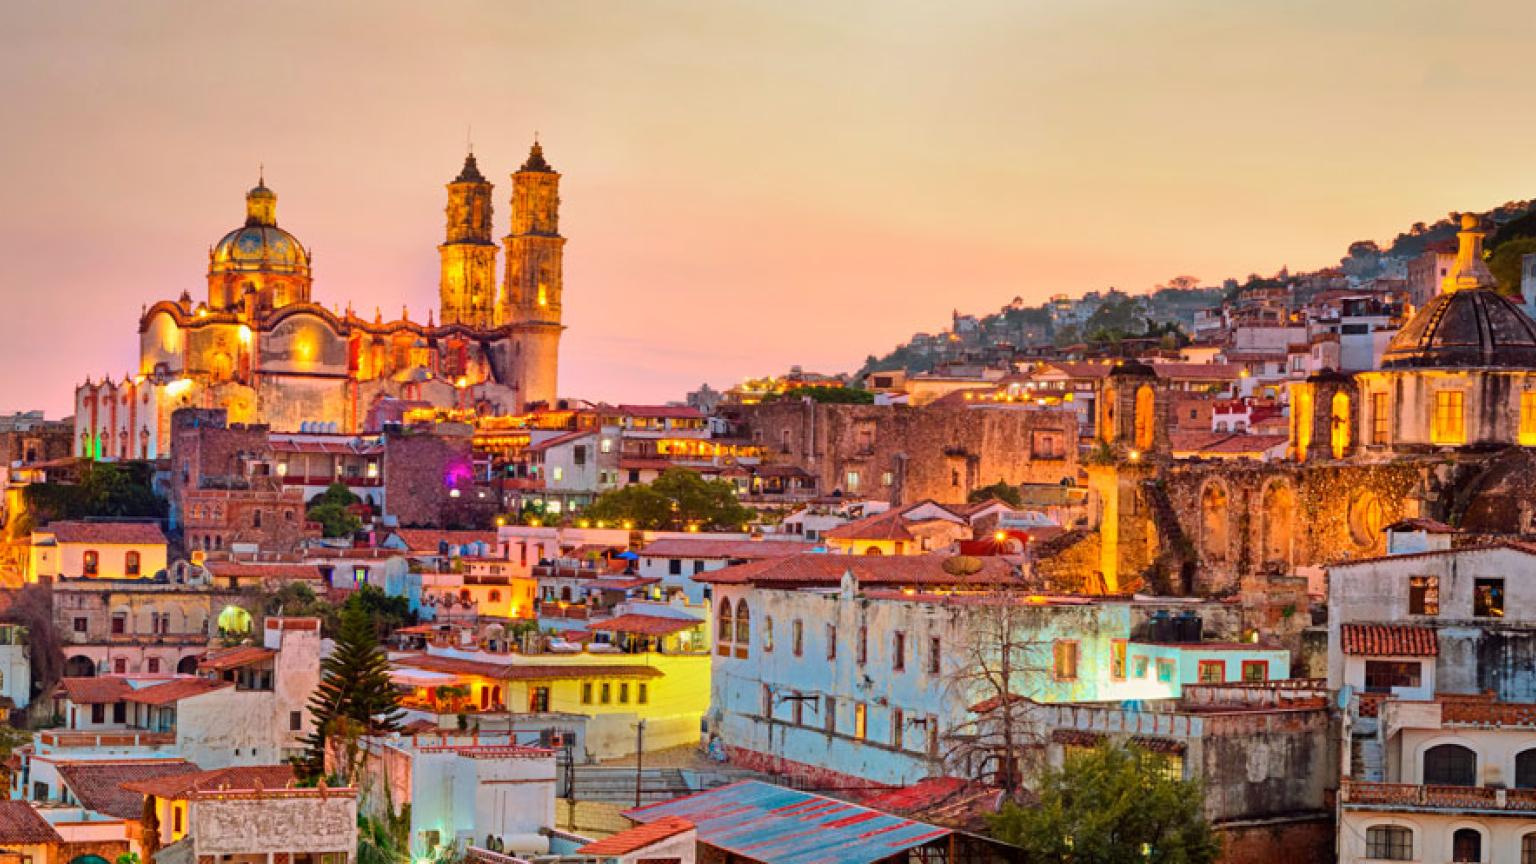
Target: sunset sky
(746, 185)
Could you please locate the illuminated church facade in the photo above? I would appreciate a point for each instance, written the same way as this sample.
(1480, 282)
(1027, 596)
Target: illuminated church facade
(260, 347)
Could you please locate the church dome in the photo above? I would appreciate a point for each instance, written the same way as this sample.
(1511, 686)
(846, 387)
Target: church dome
(259, 245)
(1477, 327)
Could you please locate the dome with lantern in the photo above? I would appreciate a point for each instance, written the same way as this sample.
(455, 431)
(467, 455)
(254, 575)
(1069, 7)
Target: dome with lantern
(259, 245)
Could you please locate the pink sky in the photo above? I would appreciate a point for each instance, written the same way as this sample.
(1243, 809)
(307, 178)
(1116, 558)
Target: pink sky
(747, 185)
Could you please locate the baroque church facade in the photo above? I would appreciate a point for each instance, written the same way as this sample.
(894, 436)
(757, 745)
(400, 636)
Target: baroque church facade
(261, 348)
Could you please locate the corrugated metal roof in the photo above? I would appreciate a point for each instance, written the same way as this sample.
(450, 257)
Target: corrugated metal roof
(776, 825)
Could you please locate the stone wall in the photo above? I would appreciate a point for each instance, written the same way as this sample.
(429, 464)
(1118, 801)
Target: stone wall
(429, 482)
(1308, 839)
(907, 454)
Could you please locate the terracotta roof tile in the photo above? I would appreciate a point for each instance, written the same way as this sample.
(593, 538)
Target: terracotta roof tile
(881, 526)
(20, 825)
(637, 838)
(646, 625)
(872, 571)
(1388, 640)
(92, 691)
(240, 777)
(134, 533)
(234, 658)
(284, 571)
(98, 785)
(426, 540)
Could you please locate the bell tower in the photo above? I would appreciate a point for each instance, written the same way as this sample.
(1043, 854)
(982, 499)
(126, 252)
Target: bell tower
(531, 292)
(467, 284)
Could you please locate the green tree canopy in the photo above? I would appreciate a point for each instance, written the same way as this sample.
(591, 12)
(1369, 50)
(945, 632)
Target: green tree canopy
(355, 695)
(106, 489)
(675, 500)
(827, 395)
(332, 509)
(1001, 491)
(1505, 264)
(1112, 805)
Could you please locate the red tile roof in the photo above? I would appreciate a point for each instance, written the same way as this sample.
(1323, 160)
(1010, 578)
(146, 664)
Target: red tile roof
(813, 569)
(234, 658)
(20, 825)
(891, 525)
(98, 785)
(1389, 640)
(241, 777)
(637, 838)
(426, 540)
(645, 625)
(174, 690)
(106, 533)
(560, 439)
(282, 572)
(93, 691)
(1428, 526)
(704, 547)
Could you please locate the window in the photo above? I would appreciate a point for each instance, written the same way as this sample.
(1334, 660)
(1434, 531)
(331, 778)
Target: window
(1064, 660)
(79, 625)
(899, 652)
(765, 701)
(607, 691)
(675, 567)
(624, 693)
(557, 474)
(154, 666)
(1212, 671)
(1525, 771)
(1448, 426)
(1139, 665)
(863, 646)
(98, 713)
(1488, 598)
(1046, 445)
(494, 596)
(295, 721)
(119, 624)
(725, 628)
(897, 717)
(1450, 765)
(642, 693)
(131, 564)
(1389, 843)
(743, 628)
(1165, 671)
(586, 693)
(1423, 595)
(92, 563)
(1467, 845)
(797, 637)
(887, 478)
(120, 712)
(1383, 675)
(853, 481)
(831, 641)
(1255, 671)
(579, 454)
(830, 717)
(1117, 659)
(1528, 417)
(1528, 849)
(768, 635)
(860, 720)
(935, 655)
(255, 518)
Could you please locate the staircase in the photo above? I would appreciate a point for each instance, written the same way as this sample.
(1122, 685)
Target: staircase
(616, 785)
(1366, 759)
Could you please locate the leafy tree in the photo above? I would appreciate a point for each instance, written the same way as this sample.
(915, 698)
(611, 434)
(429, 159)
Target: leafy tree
(675, 500)
(332, 509)
(825, 395)
(1001, 491)
(106, 489)
(355, 696)
(1505, 264)
(1112, 805)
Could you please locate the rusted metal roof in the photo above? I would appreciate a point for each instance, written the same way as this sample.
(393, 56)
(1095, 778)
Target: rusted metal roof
(775, 825)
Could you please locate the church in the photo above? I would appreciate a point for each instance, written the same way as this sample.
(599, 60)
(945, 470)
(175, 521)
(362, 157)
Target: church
(261, 348)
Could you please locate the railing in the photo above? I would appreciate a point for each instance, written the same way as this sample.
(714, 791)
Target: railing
(328, 479)
(1450, 797)
(553, 571)
(115, 738)
(555, 610)
(1482, 713)
(486, 856)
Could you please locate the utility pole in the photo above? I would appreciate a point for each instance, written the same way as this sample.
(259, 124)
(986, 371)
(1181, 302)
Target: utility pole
(639, 757)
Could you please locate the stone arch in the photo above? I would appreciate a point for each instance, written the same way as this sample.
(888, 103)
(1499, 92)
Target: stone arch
(79, 666)
(1215, 518)
(1145, 429)
(1277, 523)
(1339, 425)
(187, 665)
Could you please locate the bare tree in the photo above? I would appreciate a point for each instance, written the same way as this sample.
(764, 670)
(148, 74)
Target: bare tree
(997, 672)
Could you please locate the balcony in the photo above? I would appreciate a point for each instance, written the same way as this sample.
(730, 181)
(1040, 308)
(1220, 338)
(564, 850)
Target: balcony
(110, 738)
(1395, 795)
(557, 610)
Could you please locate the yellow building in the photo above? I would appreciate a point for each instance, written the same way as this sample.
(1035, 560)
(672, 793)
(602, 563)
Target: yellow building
(260, 347)
(96, 550)
(656, 669)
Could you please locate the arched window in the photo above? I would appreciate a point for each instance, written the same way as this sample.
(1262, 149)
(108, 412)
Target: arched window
(1450, 765)
(1213, 523)
(1525, 771)
(131, 564)
(1467, 845)
(464, 596)
(495, 597)
(873, 550)
(92, 563)
(725, 626)
(743, 628)
(1389, 843)
(1528, 849)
